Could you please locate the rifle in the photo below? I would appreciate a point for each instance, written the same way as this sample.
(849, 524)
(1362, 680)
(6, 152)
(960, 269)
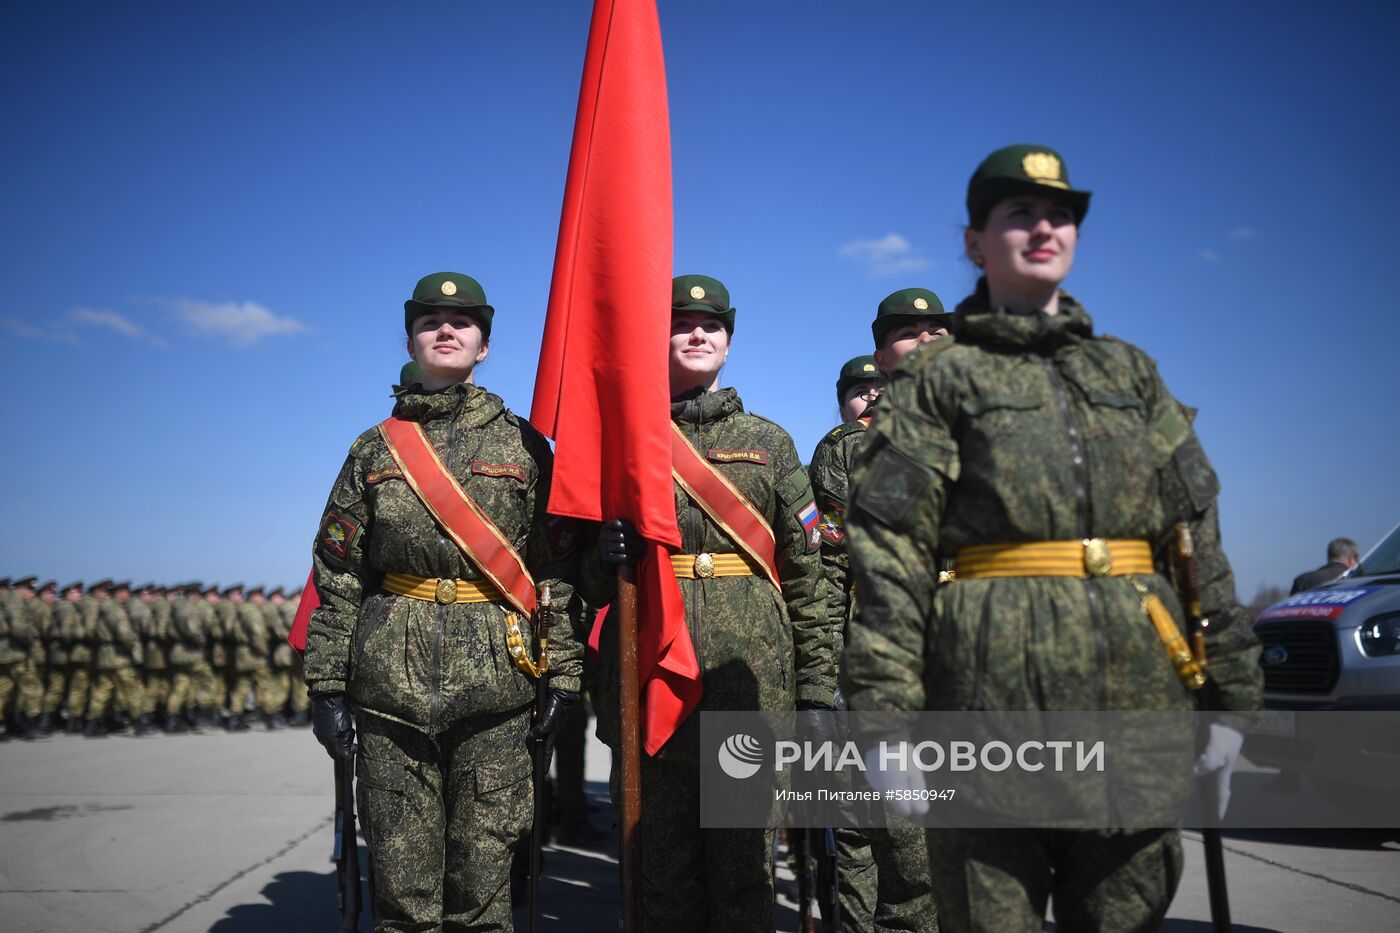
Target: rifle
(831, 904)
(539, 753)
(797, 837)
(1210, 836)
(346, 849)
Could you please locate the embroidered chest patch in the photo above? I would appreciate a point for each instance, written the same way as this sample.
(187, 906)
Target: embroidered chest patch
(759, 457)
(337, 534)
(482, 468)
(379, 476)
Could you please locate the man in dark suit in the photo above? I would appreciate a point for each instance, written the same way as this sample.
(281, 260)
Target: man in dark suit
(1341, 557)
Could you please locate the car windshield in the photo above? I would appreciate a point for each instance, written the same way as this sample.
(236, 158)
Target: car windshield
(1383, 558)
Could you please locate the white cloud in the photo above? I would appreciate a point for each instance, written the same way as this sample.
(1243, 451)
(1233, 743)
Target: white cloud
(1242, 233)
(113, 321)
(18, 328)
(891, 254)
(240, 324)
(1210, 255)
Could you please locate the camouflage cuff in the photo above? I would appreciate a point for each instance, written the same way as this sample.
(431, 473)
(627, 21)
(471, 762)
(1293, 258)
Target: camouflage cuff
(323, 687)
(815, 693)
(571, 682)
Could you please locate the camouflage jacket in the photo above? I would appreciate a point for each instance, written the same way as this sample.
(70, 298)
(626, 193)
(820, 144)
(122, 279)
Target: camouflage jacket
(141, 619)
(16, 630)
(118, 645)
(81, 631)
(1031, 428)
(411, 660)
(157, 636)
(54, 635)
(223, 633)
(278, 628)
(251, 651)
(41, 622)
(830, 469)
(758, 648)
(187, 632)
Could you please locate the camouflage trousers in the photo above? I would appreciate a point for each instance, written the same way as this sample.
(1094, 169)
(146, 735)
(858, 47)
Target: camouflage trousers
(301, 700)
(123, 684)
(243, 691)
(79, 686)
(883, 881)
(695, 879)
(443, 816)
(56, 688)
(31, 689)
(9, 690)
(186, 686)
(1000, 880)
(274, 690)
(157, 690)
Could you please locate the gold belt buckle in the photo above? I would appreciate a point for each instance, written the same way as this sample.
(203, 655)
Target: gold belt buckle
(1097, 559)
(446, 591)
(704, 566)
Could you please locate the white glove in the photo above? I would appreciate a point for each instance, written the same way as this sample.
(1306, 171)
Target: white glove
(1217, 761)
(900, 783)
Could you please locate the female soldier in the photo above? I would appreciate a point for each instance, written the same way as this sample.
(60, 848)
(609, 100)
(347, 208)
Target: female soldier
(420, 628)
(1031, 434)
(755, 616)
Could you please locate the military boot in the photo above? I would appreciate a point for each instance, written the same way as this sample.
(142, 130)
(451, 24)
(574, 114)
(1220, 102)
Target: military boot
(145, 725)
(75, 725)
(236, 723)
(94, 728)
(274, 722)
(175, 724)
(45, 725)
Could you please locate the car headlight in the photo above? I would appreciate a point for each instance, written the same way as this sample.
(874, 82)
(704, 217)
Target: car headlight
(1380, 635)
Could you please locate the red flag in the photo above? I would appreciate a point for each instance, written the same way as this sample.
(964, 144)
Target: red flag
(601, 390)
(310, 599)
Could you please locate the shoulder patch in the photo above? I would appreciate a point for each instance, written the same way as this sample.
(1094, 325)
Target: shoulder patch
(810, 518)
(1170, 429)
(833, 525)
(337, 535)
(379, 476)
(737, 456)
(482, 468)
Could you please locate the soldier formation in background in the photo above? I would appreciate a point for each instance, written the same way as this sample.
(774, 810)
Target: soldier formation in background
(110, 657)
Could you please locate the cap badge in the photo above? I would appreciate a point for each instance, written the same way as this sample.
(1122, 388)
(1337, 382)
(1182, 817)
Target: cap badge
(921, 304)
(697, 293)
(1043, 167)
(869, 367)
(449, 288)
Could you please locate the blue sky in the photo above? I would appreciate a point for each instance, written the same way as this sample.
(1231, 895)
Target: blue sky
(213, 212)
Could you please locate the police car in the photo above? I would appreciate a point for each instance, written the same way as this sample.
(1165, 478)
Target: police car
(1337, 647)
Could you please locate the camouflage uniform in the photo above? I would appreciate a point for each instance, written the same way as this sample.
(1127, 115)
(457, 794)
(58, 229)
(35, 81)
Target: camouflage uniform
(442, 712)
(223, 644)
(758, 650)
(155, 639)
(249, 649)
(300, 699)
(30, 702)
(118, 655)
(15, 637)
(281, 659)
(56, 687)
(78, 632)
(1028, 427)
(188, 658)
(882, 872)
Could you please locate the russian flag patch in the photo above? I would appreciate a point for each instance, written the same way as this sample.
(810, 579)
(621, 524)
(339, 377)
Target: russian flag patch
(808, 516)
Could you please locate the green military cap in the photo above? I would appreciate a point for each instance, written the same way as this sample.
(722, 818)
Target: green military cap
(409, 374)
(100, 585)
(856, 369)
(256, 591)
(122, 585)
(704, 294)
(146, 586)
(232, 588)
(903, 306)
(49, 586)
(450, 290)
(75, 585)
(1021, 169)
(277, 592)
(211, 588)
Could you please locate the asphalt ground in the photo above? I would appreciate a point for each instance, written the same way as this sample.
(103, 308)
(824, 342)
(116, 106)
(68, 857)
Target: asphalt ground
(232, 833)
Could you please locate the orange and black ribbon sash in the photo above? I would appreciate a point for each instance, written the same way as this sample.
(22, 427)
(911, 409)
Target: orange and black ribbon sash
(726, 506)
(480, 540)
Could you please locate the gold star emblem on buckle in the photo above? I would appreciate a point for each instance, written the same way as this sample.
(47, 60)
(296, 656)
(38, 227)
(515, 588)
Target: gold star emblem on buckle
(704, 566)
(1097, 560)
(449, 288)
(446, 591)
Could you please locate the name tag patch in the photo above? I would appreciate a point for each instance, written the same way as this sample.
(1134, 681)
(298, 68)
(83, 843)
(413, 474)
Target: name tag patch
(379, 476)
(482, 468)
(737, 456)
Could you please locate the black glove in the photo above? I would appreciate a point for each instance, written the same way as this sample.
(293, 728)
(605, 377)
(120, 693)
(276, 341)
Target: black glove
(333, 725)
(619, 543)
(556, 707)
(816, 723)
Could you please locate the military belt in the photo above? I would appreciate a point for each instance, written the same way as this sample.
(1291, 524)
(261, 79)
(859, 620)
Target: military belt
(704, 566)
(1091, 557)
(441, 590)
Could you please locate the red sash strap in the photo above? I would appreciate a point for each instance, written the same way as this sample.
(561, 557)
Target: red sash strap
(726, 506)
(459, 515)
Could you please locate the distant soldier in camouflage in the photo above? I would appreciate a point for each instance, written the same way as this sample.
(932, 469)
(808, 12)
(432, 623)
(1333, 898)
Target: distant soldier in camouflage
(1029, 433)
(16, 635)
(156, 641)
(44, 630)
(211, 689)
(142, 617)
(245, 636)
(115, 680)
(78, 630)
(188, 659)
(762, 644)
(268, 687)
(300, 700)
(897, 889)
(414, 636)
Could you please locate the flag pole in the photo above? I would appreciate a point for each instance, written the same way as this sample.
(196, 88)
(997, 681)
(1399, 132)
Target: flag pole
(630, 830)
